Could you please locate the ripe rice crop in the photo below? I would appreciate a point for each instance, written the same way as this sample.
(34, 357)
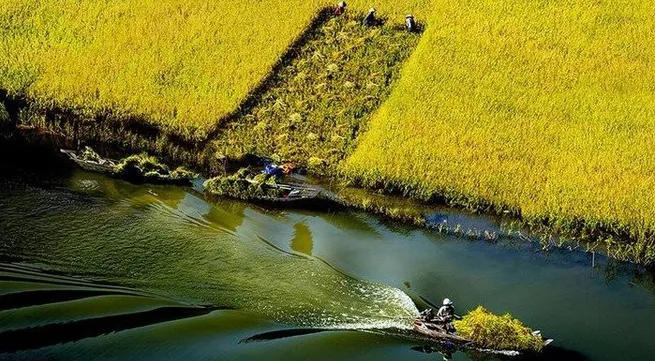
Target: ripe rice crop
(180, 65)
(542, 108)
(497, 332)
(314, 107)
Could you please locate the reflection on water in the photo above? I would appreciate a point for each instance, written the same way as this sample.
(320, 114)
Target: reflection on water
(226, 215)
(302, 239)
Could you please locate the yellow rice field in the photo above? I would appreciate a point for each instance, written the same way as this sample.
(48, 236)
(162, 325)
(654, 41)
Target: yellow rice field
(178, 64)
(543, 107)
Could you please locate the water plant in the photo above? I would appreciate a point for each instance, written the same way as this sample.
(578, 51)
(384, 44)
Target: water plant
(244, 184)
(89, 154)
(145, 167)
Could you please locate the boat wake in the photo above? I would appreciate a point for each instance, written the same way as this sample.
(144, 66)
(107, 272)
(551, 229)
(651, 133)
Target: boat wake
(40, 309)
(173, 244)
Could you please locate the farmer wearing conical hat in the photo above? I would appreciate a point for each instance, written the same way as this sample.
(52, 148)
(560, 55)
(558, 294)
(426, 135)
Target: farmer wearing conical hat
(341, 8)
(446, 314)
(370, 20)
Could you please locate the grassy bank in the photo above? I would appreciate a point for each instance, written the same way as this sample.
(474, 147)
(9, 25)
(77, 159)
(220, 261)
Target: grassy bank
(512, 108)
(539, 109)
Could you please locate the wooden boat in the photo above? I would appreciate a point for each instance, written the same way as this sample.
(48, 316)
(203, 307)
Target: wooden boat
(436, 332)
(108, 167)
(103, 165)
(290, 192)
(295, 195)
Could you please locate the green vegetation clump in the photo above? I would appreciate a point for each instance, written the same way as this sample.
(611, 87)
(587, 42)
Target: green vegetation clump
(7, 127)
(148, 168)
(497, 332)
(89, 154)
(314, 107)
(243, 184)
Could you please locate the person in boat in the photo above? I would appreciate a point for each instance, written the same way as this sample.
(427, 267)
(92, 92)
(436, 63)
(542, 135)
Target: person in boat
(288, 168)
(446, 315)
(410, 23)
(278, 171)
(272, 170)
(340, 9)
(370, 19)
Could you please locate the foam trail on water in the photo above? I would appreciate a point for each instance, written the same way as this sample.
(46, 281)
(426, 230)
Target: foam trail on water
(402, 317)
(359, 305)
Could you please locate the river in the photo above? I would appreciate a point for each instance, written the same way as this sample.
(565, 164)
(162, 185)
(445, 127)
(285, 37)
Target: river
(97, 268)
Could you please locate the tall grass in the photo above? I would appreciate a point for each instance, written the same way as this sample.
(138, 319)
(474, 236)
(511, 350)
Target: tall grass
(541, 108)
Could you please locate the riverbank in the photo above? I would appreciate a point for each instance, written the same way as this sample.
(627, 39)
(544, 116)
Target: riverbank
(388, 203)
(325, 91)
(403, 214)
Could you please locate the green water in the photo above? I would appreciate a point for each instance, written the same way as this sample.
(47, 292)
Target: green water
(95, 268)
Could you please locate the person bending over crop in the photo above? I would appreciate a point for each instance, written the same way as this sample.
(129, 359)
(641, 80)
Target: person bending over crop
(370, 20)
(340, 9)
